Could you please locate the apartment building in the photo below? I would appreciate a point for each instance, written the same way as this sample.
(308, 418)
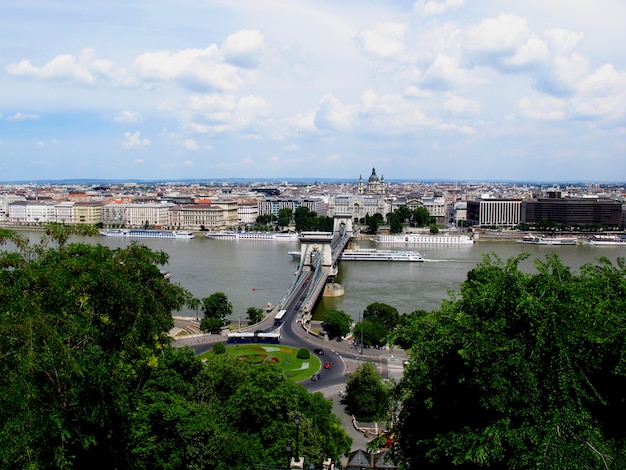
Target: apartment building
(204, 216)
(31, 212)
(87, 213)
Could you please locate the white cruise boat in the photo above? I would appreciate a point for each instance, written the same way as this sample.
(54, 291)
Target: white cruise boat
(606, 240)
(146, 234)
(371, 254)
(535, 240)
(264, 236)
(416, 238)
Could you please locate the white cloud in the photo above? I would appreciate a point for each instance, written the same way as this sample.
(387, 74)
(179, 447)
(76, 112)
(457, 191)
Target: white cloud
(531, 54)
(128, 117)
(22, 117)
(133, 141)
(244, 48)
(191, 144)
(331, 114)
(385, 41)
(561, 40)
(224, 113)
(435, 7)
(545, 108)
(189, 164)
(138, 161)
(446, 72)
(84, 68)
(561, 78)
(459, 106)
(505, 43)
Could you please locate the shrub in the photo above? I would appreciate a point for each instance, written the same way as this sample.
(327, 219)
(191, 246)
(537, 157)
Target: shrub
(303, 353)
(218, 348)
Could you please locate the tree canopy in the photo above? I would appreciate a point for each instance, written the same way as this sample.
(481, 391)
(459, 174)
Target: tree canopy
(336, 323)
(367, 397)
(216, 308)
(80, 326)
(518, 370)
(89, 376)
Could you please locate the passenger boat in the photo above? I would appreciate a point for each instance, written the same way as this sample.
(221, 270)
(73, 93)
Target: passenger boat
(264, 236)
(411, 238)
(146, 234)
(535, 240)
(370, 254)
(606, 240)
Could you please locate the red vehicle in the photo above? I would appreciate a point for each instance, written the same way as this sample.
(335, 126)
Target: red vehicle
(327, 365)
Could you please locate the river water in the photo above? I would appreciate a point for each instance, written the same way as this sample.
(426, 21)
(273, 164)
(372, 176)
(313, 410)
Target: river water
(253, 273)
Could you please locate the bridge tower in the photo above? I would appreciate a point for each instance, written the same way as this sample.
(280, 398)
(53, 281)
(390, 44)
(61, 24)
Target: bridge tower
(315, 246)
(343, 223)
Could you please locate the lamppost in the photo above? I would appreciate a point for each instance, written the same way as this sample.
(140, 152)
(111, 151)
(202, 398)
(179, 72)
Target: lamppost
(288, 452)
(296, 419)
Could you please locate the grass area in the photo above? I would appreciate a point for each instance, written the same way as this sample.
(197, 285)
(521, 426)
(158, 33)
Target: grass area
(284, 357)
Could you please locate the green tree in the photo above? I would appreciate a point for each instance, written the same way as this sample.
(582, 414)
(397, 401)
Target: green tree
(434, 229)
(284, 216)
(80, 328)
(265, 219)
(387, 314)
(519, 370)
(372, 224)
(216, 309)
(373, 332)
(255, 315)
(218, 348)
(367, 397)
(336, 323)
(421, 217)
(395, 222)
(89, 376)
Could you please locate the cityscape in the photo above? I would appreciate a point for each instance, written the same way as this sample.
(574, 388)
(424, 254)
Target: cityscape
(227, 205)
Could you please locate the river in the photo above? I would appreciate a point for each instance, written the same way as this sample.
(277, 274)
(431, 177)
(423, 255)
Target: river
(253, 273)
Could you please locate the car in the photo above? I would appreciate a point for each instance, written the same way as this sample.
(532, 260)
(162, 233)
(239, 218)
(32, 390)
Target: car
(319, 351)
(316, 377)
(327, 365)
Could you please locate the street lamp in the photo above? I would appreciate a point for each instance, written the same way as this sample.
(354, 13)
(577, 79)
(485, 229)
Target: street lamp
(288, 452)
(296, 419)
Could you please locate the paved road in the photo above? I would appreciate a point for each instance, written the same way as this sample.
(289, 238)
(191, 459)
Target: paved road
(345, 359)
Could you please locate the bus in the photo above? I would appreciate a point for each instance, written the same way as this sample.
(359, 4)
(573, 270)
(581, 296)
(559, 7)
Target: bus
(249, 337)
(280, 317)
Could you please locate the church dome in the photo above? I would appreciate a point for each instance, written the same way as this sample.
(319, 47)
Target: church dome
(373, 177)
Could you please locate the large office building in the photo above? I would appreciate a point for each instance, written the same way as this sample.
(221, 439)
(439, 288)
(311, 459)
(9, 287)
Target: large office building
(495, 212)
(573, 211)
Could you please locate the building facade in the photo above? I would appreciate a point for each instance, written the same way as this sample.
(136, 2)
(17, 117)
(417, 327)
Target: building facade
(495, 212)
(574, 211)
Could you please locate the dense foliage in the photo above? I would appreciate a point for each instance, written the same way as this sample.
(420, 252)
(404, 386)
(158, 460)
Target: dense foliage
(89, 376)
(336, 323)
(216, 308)
(519, 371)
(366, 394)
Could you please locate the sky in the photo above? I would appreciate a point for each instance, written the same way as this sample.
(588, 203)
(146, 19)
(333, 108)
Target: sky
(461, 90)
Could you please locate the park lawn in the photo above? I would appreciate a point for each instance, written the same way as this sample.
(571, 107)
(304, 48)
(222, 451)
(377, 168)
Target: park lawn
(284, 357)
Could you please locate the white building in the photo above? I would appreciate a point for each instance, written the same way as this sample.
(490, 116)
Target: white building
(247, 213)
(358, 206)
(65, 212)
(32, 212)
(153, 214)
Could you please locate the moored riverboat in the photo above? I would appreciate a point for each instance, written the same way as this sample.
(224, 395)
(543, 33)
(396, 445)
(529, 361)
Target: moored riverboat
(147, 234)
(424, 239)
(606, 240)
(262, 236)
